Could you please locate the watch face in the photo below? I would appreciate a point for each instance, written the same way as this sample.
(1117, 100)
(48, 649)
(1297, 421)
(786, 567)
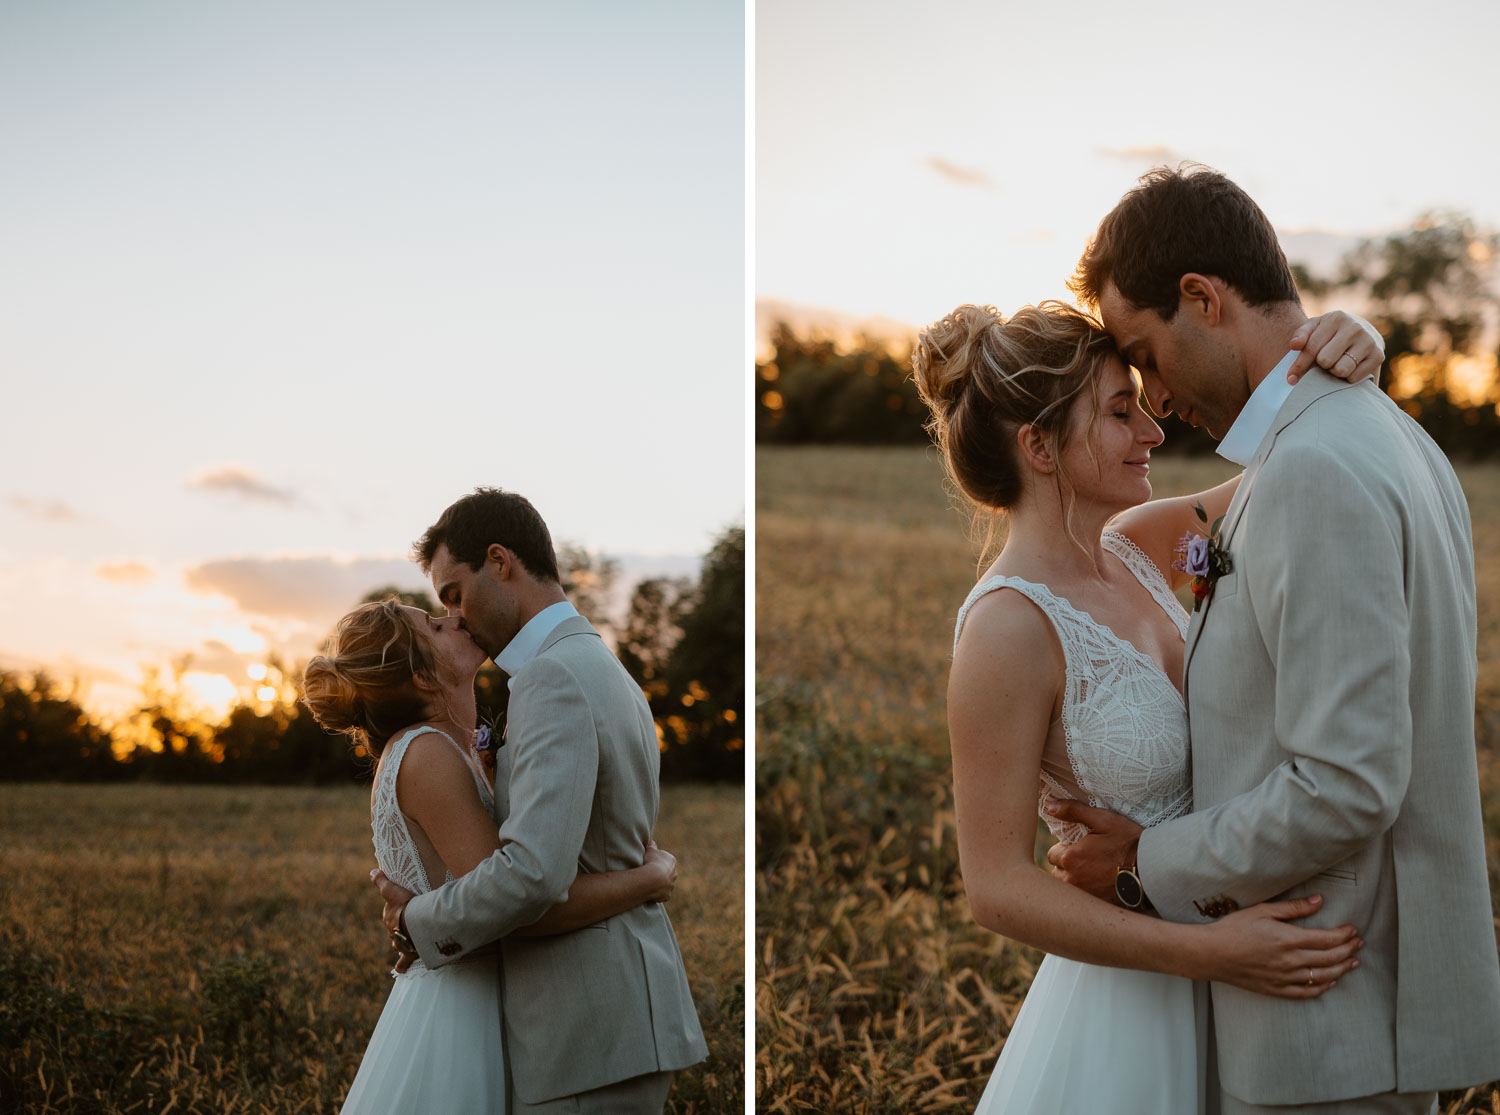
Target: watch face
(1128, 889)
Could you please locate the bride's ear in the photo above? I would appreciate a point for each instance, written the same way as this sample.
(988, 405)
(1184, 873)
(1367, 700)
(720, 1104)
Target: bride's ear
(424, 682)
(1036, 449)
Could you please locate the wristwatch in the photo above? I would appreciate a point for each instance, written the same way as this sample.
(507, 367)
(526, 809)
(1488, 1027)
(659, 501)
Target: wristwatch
(1128, 888)
(405, 944)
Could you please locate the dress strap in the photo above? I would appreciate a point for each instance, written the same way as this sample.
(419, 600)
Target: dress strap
(1149, 574)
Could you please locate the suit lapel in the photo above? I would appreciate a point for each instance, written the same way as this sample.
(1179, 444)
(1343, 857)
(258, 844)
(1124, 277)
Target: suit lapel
(1231, 520)
(1312, 388)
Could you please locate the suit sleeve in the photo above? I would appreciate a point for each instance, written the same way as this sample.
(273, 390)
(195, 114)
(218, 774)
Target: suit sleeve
(554, 770)
(1323, 563)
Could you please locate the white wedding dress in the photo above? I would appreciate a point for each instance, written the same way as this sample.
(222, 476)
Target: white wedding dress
(437, 1046)
(1090, 1038)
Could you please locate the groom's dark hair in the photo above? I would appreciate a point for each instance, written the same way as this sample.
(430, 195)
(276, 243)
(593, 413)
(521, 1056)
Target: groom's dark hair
(487, 515)
(1175, 222)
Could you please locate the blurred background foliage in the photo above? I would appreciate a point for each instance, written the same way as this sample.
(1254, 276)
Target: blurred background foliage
(682, 641)
(1429, 289)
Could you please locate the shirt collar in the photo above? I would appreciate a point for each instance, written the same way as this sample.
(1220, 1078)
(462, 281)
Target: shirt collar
(528, 641)
(1243, 440)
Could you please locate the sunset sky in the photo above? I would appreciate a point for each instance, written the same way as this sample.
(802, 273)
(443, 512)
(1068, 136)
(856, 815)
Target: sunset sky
(282, 280)
(911, 157)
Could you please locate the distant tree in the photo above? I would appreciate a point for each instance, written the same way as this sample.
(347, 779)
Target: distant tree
(812, 391)
(284, 745)
(45, 734)
(588, 579)
(171, 743)
(1429, 289)
(1309, 284)
(700, 708)
(652, 628)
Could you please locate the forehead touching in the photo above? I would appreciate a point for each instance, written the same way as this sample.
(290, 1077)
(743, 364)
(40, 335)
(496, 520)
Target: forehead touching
(1117, 381)
(1134, 329)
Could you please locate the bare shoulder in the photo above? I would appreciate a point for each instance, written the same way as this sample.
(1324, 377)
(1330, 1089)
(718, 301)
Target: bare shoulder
(432, 765)
(1006, 635)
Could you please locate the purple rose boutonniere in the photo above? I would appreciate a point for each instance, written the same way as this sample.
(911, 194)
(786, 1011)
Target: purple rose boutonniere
(483, 747)
(1203, 558)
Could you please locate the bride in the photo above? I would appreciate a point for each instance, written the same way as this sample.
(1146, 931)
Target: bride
(401, 682)
(1065, 684)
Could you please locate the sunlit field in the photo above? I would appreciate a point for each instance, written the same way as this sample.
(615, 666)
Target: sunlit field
(875, 991)
(216, 949)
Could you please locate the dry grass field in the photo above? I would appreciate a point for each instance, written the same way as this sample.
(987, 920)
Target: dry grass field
(875, 991)
(210, 949)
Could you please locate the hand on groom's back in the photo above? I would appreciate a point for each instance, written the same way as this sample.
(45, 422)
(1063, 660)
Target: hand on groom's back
(396, 897)
(1091, 863)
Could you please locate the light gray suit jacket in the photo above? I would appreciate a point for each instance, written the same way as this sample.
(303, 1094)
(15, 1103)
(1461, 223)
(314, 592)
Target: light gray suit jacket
(1330, 685)
(576, 786)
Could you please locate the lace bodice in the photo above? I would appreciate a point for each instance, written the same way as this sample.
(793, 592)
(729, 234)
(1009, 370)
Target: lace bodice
(1124, 723)
(395, 851)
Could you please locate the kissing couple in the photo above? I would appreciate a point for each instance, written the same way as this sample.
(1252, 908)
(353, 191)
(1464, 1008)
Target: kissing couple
(1300, 750)
(537, 969)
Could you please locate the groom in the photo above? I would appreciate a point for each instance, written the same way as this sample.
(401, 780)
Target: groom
(1329, 679)
(599, 1019)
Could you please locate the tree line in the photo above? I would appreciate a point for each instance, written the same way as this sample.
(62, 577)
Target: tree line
(1428, 289)
(682, 640)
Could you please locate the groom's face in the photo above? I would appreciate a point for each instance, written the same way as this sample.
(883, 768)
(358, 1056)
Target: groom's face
(1184, 368)
(480, 598)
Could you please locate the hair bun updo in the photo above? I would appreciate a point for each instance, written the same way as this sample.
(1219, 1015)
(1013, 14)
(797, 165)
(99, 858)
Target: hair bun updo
(365, 685)
(943, 360)
(983, 377)
(331, 695)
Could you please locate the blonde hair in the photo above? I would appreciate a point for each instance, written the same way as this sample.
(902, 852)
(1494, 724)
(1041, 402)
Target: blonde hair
(983, 378)
(365, 685)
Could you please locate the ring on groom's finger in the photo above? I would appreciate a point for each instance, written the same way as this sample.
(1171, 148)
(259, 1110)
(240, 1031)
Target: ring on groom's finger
(1309, 977)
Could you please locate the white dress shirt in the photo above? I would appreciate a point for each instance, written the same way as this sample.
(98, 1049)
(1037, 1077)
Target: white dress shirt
(523, 648)
(1243, 440)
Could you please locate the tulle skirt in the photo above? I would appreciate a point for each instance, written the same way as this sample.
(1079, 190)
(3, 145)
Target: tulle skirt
(1092, 1039)
(437, 1046)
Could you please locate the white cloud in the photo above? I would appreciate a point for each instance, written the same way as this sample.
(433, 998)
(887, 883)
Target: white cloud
(244, 484)
(48, 511)
(313, 590)
(126, 573)
(958, 175)
(1153, 155)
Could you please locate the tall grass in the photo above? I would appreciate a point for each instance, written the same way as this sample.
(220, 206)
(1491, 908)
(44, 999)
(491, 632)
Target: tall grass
(875, 990)
(211, 949)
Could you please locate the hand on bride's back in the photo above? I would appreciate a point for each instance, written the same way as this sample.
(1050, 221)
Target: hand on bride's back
(1258, 949)
(664, 863)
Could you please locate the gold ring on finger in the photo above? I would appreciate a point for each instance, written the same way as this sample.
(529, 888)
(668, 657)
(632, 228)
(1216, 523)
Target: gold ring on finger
(1309, 977)
(1348, 356)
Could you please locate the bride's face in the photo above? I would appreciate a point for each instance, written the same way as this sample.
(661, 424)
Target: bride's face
(456, 656)
(1108, 459)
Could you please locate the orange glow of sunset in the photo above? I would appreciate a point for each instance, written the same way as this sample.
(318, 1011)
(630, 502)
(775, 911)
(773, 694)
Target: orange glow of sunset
(213, 693)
